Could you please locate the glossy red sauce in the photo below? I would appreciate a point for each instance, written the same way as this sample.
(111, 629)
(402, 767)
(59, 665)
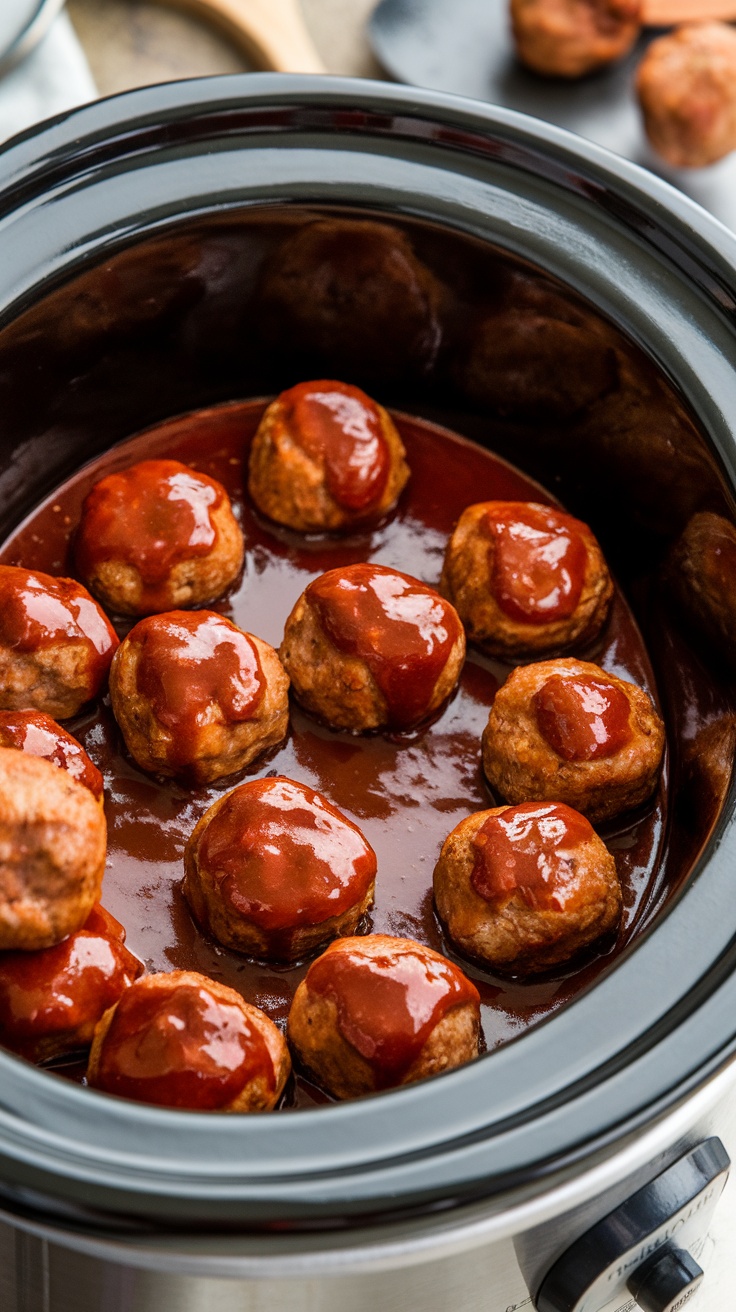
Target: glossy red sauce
(531, 850)
(60, 993)
(151, 516)
(339, 427)
(583, 718)
(188, 662)
(389, 1001)
(283, 856)
(39, 735)
(405, 792)
(538, 561)
(403, 630)
(180, 1046)
(38, 611)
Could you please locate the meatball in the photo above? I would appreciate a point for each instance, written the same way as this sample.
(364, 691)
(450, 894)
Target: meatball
(56, 644)
(158, 536)
(196, 697)
(377, 1012)
(369, 648)
(53, 843)
(51, 1001)
(275, 871)
(522, 888)
(569, 38)
(326, 457)
(352, 295)
(686, 85)
(702, 574)
(183, 1040)
(568, 731)
(525, 578)
(39, 735)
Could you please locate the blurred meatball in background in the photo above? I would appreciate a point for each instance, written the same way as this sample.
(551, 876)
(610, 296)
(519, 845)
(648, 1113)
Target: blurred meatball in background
(686, 85)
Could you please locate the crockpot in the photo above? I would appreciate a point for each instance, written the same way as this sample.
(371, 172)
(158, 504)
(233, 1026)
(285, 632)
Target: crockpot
(581, 1167)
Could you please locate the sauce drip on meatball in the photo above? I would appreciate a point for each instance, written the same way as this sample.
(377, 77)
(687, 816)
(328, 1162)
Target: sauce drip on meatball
(531, 850)
(181, 1047)
(190, 661)
(38, 610)
(63, 990)
(285, 856)
(388, 1004)
(339, 426)
(583, 718)
(538, 561)
(403, 631)
(39, 735)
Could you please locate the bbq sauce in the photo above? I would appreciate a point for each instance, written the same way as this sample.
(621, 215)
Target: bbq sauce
(530, 850)
(38, 611)
(389, 1002)
(151, 516)
(583, 718)
(63, 991)
(180, 1046)
(538, 561)
(39, 735)
(188, 662)
(283, 856)
(339, 427)
(403, 630)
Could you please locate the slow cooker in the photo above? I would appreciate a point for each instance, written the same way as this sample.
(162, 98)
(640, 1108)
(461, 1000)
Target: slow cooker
(583, 1166)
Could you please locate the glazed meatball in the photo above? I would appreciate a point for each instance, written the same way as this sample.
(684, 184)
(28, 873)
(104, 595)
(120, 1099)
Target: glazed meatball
(183, 1040)
(53, 842)
(702, 573)
(525, 578)
(51, 1001)
(39, 735)
(275, 871)
(569, 38)
(686, 85)
(369, 648)
(56, 644)
(326, 457)
(196, 697)
(351, 294)
(568, 731)
(158, 536)
(522, 888)
(377, 1012)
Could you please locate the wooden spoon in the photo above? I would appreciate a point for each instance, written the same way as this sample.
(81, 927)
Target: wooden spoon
(272, 33)
(668, 13)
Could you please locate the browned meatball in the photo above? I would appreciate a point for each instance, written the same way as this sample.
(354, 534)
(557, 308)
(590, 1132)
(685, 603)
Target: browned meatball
(39, 735)
(326, 457)
(568, 38)
(369, 648)
(196, 697)
(275, 871)
(158, 536)
(56, 644)
(183, 1040)
(377, 1012)
(568, 731)
(525, 578)
(53, 842)
(702, 572)
(686, 85)
(351, 294)
(522, 888)
(51, 1001)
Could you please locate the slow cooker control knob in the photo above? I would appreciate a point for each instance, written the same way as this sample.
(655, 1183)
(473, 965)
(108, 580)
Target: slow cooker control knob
(644, 1248)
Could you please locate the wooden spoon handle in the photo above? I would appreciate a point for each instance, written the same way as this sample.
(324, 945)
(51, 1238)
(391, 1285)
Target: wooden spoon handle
(667, 13)
(272, 33)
